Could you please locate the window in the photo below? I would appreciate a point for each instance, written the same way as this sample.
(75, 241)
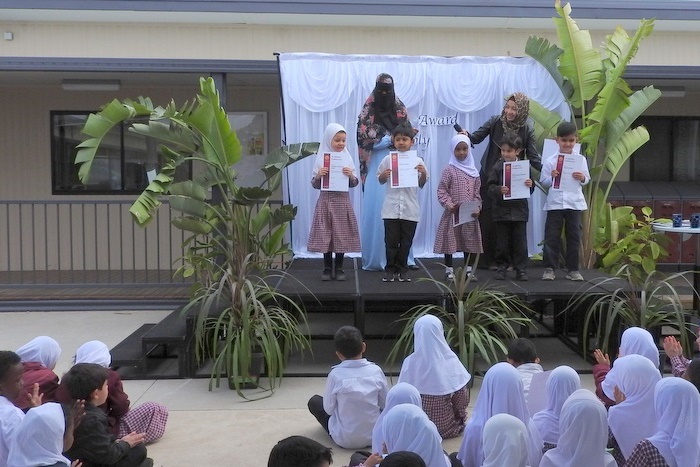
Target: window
(120, 165)
(673, 152)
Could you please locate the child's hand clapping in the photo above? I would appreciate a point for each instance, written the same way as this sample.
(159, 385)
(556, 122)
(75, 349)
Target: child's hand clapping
(672, 347)
(600, 357)
(35, 399)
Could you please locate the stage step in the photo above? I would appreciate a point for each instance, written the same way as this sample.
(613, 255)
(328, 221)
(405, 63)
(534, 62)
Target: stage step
(128, 352)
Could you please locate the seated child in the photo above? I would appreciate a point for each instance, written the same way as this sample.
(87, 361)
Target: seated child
(355, 393)
(39, 357)
(438, 375)
(10, 389)
(93, 444)
(562, 382)
(522, 354)
(148, 418)
(505, 442)
(299, 451)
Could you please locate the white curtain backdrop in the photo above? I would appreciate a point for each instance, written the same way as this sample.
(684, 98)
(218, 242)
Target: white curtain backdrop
(318, 89)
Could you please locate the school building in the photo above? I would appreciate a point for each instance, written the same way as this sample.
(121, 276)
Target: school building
(61, 60)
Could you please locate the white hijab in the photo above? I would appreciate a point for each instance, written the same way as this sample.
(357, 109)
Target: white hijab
(94, 352)
(637, 341)
(562, 382)
(467, 165)
(634, 419)
(407, 428)
(677, 405)
(402, 393)
(42, 349)
(39, 438)
(505, 442)
(432, 368)
(501, 392)
(325, 146)
(584, 434)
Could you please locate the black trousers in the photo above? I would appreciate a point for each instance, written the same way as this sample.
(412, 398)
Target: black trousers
(487, 227)
(316, 408)
(570, 220)
(398, 239)
(511, 245)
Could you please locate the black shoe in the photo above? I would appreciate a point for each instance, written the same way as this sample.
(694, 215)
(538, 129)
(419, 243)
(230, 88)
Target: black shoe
(413, 267)
(404, 278)
(326, 276)
(522, 276)
(388, 277)
(501, 274)
(340, 275)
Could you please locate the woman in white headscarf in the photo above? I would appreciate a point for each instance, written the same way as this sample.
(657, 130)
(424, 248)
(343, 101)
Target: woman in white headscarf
(633, 418)
(583, 434)
(39, 439)
(459, 183)
(441, 379)
(635, 340)
(677, 441)
(407, 428)
(505, 442)
(562, 382)
(39, 357)
(149, 418)
(501, 392)
(402, 393)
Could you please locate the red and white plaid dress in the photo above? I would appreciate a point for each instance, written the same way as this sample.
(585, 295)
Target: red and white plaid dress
(456, 187)
(645, 454)
(448, 412)
(334, 227)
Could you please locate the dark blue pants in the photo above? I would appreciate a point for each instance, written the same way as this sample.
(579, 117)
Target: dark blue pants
(570, 221)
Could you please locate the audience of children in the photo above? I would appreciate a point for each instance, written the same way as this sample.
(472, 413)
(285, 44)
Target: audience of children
(505, 442)
(39, 357)
(563, 207)
(583, 429)
(522, 354)
(149, 418)
(634, 340)
(401, 209)
(501, 392)
(334, 226)
(300, 451)
(459, 183)
(676, 441)
(509, 216)
(561, 383)
(93, 444)
(441, 379)
(355, 393)
(632, 418)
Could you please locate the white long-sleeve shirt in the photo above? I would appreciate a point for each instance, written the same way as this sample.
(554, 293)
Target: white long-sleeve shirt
(355, 395)
(563, 199)
(10, 418)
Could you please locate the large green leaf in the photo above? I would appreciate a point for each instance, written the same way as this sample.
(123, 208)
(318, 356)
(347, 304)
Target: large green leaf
(639, 102)
(629, 142)
(283, 156)
(547, 119)
(547, 54)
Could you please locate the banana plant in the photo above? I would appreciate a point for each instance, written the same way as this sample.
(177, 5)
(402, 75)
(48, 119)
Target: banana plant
(234, 234)
(605, 107)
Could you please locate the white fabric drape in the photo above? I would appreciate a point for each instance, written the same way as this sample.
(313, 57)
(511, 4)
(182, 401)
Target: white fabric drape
(319, 89)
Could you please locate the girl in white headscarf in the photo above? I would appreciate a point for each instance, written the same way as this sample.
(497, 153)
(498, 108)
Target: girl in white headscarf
(441, 379)
(583, 433)
(38, 440)
(501, 392)
(334, 226)
(149, 418)
(633, 418)
(458, 184)
(39, 357)
(402, 393)
(635, 340)
(505, 442)
(562, 382)
(677, 441)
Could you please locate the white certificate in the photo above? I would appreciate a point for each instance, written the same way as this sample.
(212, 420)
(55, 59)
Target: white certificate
(566, 165)
(514, 176)
(465, 211)
(403, 169)
(336, 180)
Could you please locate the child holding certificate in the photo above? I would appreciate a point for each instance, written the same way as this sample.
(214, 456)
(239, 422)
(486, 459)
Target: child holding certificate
(405, 172)
(458, 190)
(334, 226)
(510, 213)
(564, 174)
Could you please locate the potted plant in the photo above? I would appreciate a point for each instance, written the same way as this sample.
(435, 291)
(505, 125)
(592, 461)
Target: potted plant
(233, 237)
(476, 321)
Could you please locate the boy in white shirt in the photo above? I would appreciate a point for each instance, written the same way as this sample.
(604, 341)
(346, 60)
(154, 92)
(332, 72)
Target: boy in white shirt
(522, 354)
(564, 206)
(355, 393)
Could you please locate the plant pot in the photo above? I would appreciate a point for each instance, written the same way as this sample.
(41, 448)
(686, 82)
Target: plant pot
(251, 381)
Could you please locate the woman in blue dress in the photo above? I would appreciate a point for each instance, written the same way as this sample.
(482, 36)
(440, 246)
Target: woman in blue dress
(382, 112)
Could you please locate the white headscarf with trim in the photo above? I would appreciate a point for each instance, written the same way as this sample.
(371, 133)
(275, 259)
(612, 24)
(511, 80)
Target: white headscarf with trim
(467, 165)
(325, 147)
